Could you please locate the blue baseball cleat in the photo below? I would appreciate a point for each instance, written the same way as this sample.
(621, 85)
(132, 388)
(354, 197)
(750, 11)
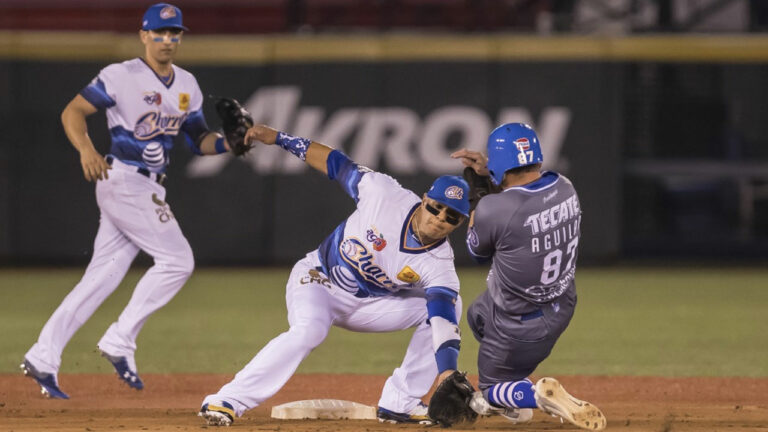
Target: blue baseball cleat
(219, 413)
(49, 386)
(417, 415)
(124, 371)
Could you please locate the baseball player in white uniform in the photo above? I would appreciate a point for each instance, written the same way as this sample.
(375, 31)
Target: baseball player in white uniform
(148, 101)
(387, 267)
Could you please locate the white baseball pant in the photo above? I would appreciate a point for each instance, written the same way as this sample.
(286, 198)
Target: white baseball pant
(134, 216)
(314, 305)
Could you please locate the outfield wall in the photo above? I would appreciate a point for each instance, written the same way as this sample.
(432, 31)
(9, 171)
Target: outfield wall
(608, 112)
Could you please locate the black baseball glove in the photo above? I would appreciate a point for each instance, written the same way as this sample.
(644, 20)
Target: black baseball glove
(479, 186)
(450, 402)
(235, 122)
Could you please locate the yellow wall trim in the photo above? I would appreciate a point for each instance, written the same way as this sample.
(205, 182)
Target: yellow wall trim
(245, 50)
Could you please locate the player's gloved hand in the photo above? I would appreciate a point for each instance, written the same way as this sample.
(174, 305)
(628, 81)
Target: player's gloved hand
(449, 404)
(479, 186)
(235, 122)
(94, 166)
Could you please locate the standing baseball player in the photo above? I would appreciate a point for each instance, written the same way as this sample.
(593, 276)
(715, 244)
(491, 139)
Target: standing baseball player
(529, 230)
(387, 267)
(148, 101)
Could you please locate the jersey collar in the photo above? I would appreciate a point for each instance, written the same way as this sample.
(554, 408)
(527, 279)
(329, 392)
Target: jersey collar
(547, 179)
(167, 82)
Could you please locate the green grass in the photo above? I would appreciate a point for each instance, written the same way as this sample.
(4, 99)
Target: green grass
(629, 321)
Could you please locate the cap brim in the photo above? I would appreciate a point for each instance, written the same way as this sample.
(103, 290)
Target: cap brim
(166, 26)
(447, 203)
(458, 210)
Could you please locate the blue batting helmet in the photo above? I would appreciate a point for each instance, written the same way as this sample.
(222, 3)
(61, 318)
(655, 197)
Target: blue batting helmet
(510, 146)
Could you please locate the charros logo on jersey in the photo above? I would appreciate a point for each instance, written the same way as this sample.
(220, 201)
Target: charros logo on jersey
(154, 123)
(354, 252)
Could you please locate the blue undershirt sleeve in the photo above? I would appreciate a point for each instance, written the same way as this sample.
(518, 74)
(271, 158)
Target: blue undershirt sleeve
(441, 312)
(195, 128)
(96, 94)
(342, 169)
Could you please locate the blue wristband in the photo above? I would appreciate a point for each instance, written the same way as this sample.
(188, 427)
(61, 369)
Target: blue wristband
(295, 145)
(220, 147)
(447, 356)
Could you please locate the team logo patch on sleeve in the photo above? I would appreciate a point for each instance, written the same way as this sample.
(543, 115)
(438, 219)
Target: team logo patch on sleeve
(454, 192)
(408, 275)
(183, 101)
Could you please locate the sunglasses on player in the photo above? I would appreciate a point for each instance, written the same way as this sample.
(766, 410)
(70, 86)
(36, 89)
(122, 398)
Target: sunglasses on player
(451, 216)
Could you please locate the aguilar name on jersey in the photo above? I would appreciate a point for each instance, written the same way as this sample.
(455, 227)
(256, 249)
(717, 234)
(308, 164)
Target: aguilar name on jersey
(374, 252)
(145, 111)
(532, 232)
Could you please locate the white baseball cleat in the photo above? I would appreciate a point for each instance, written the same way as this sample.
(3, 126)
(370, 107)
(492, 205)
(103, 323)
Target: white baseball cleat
(218, 414)
(484, 408)
(552, 398)
(418, 415)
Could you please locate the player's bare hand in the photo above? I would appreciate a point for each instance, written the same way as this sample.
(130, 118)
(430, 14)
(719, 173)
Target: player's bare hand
(95, 167)
(262, 133)
(473, 159)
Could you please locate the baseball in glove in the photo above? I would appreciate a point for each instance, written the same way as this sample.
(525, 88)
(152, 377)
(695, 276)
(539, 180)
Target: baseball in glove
(450, 402)
(479, 186)
(235, 122)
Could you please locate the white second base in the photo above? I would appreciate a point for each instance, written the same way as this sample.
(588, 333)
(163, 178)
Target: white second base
(333, 409)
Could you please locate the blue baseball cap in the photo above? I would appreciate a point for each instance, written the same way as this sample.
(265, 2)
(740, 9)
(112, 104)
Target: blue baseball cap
(162, 15)
(451, 191)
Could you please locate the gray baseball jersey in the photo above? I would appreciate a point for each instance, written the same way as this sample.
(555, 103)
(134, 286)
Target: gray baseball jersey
(531, 233)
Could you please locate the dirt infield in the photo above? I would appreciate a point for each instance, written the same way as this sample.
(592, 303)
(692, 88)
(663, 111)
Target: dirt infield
(170, 402)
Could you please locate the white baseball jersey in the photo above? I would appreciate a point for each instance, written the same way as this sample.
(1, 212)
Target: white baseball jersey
(145, 111)
(375, 256)
(375, 252)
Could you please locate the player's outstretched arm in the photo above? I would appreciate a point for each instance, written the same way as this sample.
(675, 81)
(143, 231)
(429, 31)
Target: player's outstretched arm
(213, 143)
(73, 119)
(312, 152)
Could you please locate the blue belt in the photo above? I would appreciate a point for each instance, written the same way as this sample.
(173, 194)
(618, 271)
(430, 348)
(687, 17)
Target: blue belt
(160, 178)
(532, 315)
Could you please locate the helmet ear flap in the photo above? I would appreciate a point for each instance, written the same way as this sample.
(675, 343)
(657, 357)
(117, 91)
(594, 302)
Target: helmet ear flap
(493, 177)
